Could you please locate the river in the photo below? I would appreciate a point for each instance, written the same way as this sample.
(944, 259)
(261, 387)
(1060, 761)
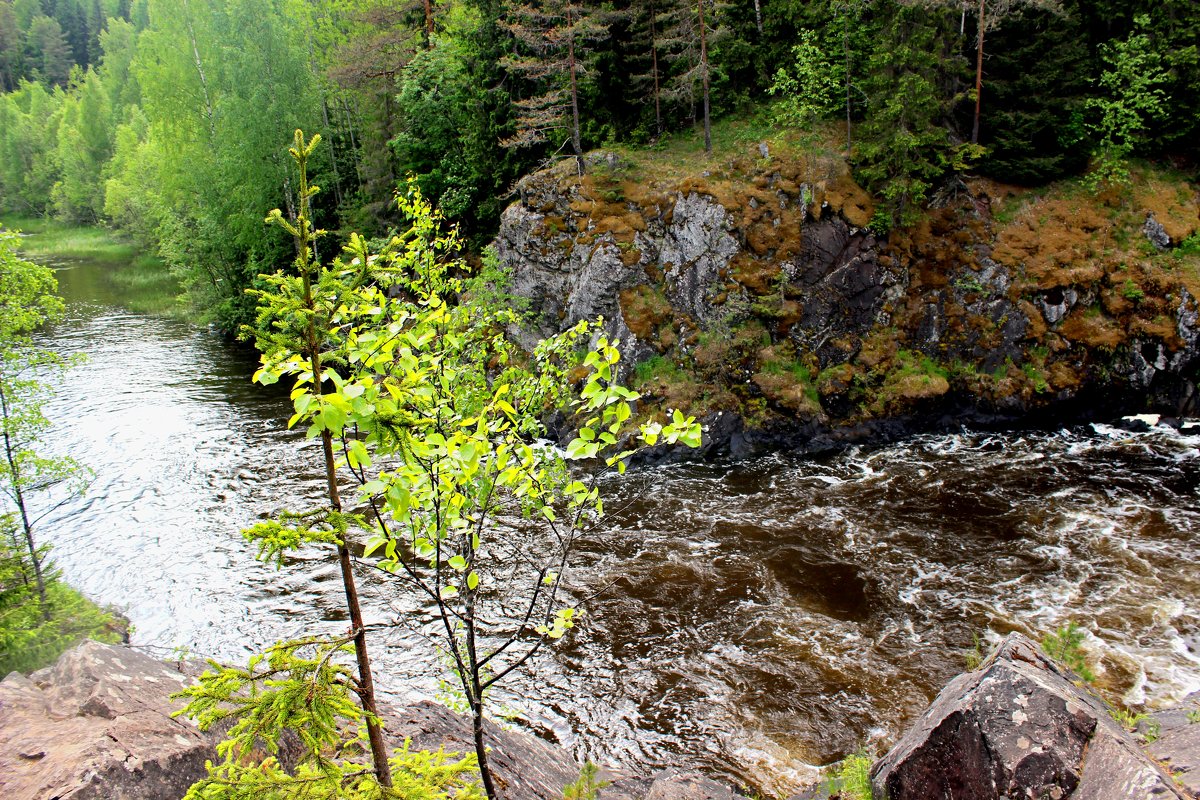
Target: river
(763, 617)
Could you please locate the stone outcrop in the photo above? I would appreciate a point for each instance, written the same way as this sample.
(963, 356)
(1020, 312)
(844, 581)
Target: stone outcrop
(763, 288)
(97, 726)
(1174, 735)
(1018, 728)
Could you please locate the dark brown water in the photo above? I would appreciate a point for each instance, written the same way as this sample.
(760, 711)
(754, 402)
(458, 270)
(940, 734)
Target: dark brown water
(764, 617)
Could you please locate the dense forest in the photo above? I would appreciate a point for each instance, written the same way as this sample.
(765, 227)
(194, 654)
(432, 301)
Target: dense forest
(167, 119)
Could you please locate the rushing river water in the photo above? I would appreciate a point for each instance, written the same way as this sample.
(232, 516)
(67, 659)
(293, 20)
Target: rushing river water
(763, 616)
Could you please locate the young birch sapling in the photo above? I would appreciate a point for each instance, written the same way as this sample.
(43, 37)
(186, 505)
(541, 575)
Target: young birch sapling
(438, 417)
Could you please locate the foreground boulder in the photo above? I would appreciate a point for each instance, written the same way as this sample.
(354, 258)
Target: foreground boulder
(1018, 728)
(97, 725)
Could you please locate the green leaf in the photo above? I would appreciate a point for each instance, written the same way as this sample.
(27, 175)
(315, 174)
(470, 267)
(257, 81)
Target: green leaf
(472, 580)
(457, 563)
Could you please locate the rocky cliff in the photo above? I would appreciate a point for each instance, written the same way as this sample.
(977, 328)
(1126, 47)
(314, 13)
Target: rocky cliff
(763, 294)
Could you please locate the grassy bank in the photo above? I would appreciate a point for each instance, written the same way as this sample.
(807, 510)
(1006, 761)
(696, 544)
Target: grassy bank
(50, 239)
(31, 639)
(146, 283)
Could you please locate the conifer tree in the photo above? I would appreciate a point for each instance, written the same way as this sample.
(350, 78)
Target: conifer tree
(689, 30)
(988, 15)
(554, 35)
(903, 146)
(646, 32)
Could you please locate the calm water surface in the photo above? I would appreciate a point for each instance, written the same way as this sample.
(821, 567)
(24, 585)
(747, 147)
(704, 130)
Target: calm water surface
(763, 617)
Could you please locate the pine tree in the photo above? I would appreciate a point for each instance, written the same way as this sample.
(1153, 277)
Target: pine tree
(689, 29)
(49, 51)
(555, 35)
(646, 32)
(903, 146)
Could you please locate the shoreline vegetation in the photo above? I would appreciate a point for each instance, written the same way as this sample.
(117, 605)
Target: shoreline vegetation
(148, 283)
(28, 641)
(40, 615)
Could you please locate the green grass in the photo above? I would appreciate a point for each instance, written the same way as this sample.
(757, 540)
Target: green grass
(654, 368)
(147, 285)
(734, 136)
(852, 779)
(150, 287)
(52, 239)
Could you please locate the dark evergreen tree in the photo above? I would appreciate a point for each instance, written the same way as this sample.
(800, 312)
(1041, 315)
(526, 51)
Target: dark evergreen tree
(690, 29)
(904, 146)
(553, 38)
(1037, 72)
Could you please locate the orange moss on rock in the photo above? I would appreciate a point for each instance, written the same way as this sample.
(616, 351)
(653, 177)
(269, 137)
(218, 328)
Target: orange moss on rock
(1054, 243)
(847, 197)
(1093, 329)
(1061, 376)
(645, 309)
(759, 276)
(1174, 206)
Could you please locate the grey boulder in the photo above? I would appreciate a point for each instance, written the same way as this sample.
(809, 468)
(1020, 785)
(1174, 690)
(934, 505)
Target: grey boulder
(1017, 728)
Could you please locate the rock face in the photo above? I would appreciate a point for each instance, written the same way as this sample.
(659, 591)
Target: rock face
(759, 290)
(1017, 728)
(97, 725)
(1176, 744)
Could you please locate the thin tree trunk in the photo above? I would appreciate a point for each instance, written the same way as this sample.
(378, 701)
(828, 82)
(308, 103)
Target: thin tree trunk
(353, 142)
(576, 143)
(658, 125)
(475, 695)
(337, 175)
(758, 16)
(19, 497)
(978, 78)
(366, 686)
(208, 106)
(846, 56)
(704, 75)
(428, 23)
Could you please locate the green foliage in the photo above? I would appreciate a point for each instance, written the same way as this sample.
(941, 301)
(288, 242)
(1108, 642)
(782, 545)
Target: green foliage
(302, 689)
(1132, 99)
(902, 148)
(587, 786)
(809, 89)
(28, 640)
(1035, 87)
(1065, 646)
(437, 414)
(1147, 729)
(1131, 291)
(160, 119)
(654, 368)
(39, 616)
(852, 779)
(975, 656)
(1193, 716)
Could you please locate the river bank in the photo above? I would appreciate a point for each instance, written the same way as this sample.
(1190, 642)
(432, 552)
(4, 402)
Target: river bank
(103, 723)
(145, 280)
